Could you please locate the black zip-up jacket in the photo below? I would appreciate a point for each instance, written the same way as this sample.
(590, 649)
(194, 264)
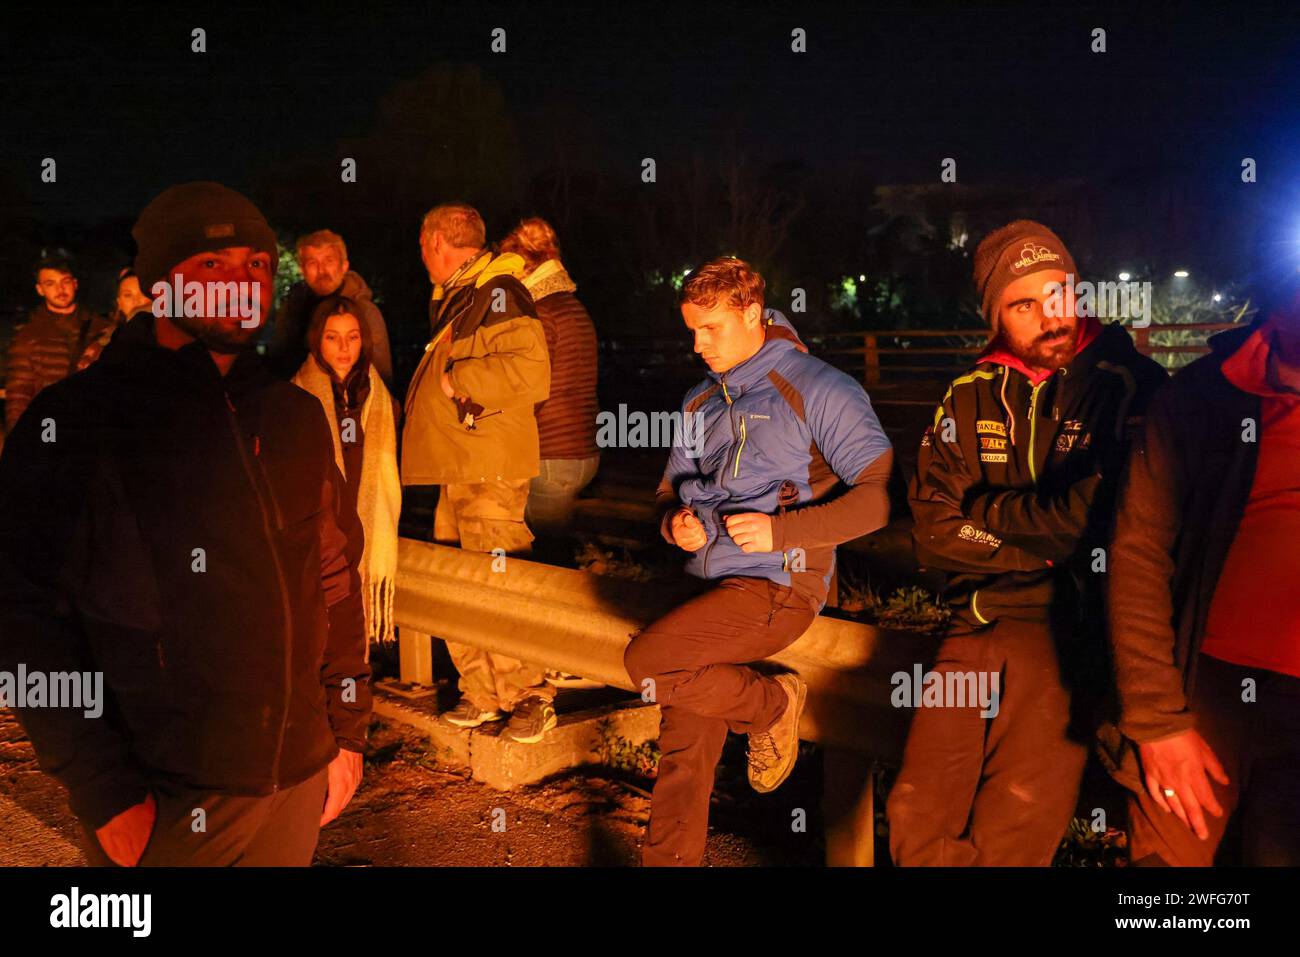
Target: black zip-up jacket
(1015, 483)
(1182, 497)
(181, 532)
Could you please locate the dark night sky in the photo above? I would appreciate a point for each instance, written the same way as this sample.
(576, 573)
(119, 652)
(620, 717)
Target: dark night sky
(118, 98)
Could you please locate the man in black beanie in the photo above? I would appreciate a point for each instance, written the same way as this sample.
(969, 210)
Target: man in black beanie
(1013, 497)
(171, 519)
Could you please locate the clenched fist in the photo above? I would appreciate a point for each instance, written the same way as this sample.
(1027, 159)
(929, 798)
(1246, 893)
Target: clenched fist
(688, 532)
(752, 531)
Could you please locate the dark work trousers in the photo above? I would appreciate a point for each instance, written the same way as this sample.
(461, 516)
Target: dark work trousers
(696, 657)
(990, 791)
(1258, 743)
(279, 830)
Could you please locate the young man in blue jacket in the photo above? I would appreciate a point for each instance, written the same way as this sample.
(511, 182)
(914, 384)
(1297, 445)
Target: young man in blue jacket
(782, 458)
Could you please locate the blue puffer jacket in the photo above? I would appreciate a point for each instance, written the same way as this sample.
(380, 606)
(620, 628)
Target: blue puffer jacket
(775, 432)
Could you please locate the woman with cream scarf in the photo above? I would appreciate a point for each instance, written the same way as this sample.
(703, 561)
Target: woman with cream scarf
(363, 419)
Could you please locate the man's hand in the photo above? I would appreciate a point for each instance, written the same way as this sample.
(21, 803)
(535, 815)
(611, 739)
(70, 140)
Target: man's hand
(447, 388)
(1183, 764)
(124, 838)
(344, 776)
(752, 531)
(688, 532)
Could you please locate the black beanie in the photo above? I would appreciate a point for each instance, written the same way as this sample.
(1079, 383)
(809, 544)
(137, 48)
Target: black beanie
(191, 218)
(1017, 249)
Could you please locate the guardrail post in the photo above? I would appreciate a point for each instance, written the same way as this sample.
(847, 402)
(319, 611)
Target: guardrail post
(415, 656)
(870, 361)
(849, 808)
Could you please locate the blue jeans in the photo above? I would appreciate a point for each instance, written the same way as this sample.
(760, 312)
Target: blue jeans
(552, 493)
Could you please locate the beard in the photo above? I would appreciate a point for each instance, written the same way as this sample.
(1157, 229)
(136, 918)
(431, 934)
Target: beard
(1051, 350)
(325, 285)
(227, 336)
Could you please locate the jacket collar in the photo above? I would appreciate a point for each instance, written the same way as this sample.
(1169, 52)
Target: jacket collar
(547, 279)
(779, 338)
(998, 354)
(479, 270)
(136, 346)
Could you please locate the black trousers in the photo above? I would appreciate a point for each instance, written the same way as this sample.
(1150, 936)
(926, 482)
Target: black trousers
(996, 790)
(201, 829)
(1258, 743)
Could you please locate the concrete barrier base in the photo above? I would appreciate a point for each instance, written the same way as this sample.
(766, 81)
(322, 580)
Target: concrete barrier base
(581, 738)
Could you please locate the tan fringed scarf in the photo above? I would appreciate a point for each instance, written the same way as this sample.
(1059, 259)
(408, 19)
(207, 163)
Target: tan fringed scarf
(379, 497)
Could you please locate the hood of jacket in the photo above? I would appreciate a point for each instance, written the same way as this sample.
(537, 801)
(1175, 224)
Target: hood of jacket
(354, 288)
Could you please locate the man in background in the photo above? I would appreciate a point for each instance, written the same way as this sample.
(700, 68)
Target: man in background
(48, 345)
(326, 272)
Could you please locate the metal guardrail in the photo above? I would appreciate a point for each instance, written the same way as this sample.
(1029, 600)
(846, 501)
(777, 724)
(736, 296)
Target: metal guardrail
(659, 355)
(580, 623)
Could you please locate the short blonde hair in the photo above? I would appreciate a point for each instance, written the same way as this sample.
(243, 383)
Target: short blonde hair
(534, 240)
(323, 237)
(459, 222)
(727, 280)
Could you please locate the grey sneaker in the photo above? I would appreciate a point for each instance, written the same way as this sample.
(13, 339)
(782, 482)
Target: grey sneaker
(532, 718)
(469, 715)
(772, 753)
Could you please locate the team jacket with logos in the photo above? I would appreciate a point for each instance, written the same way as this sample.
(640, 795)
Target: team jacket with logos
(785, 434)
(1015, 481)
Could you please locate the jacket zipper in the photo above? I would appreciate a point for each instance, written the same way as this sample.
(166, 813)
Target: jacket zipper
(1033, 428)
(735, 472)
(279, 577)
(722, 480)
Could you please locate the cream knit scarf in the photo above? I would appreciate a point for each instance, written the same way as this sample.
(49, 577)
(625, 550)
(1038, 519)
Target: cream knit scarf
(548, 278)
(379, 497)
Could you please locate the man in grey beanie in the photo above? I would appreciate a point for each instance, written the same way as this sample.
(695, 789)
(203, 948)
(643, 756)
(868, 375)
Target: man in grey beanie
(1013, 498)
(173, 522)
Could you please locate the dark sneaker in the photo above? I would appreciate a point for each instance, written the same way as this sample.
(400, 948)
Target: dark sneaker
(469, 715)
(562, 679)
(532, 718)
(772, 753)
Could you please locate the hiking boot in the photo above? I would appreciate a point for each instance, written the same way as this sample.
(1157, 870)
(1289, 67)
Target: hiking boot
(532, 718)
(772, 752)
(469, 715)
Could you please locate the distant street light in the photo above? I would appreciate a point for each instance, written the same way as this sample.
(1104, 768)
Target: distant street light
(1217, 297)
(1124, 277)
(1180, 274)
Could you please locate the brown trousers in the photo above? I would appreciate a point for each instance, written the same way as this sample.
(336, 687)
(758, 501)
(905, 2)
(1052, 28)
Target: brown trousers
(990, 791)
(1258, 743)
(201, 829)
(695, 657)
(484, 517)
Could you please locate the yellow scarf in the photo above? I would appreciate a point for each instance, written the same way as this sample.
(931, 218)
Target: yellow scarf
(379, 496)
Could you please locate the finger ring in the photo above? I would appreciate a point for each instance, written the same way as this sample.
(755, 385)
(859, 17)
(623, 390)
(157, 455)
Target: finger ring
(1170, 792)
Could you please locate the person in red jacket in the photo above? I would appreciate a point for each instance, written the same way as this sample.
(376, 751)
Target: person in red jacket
(1204, 606)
